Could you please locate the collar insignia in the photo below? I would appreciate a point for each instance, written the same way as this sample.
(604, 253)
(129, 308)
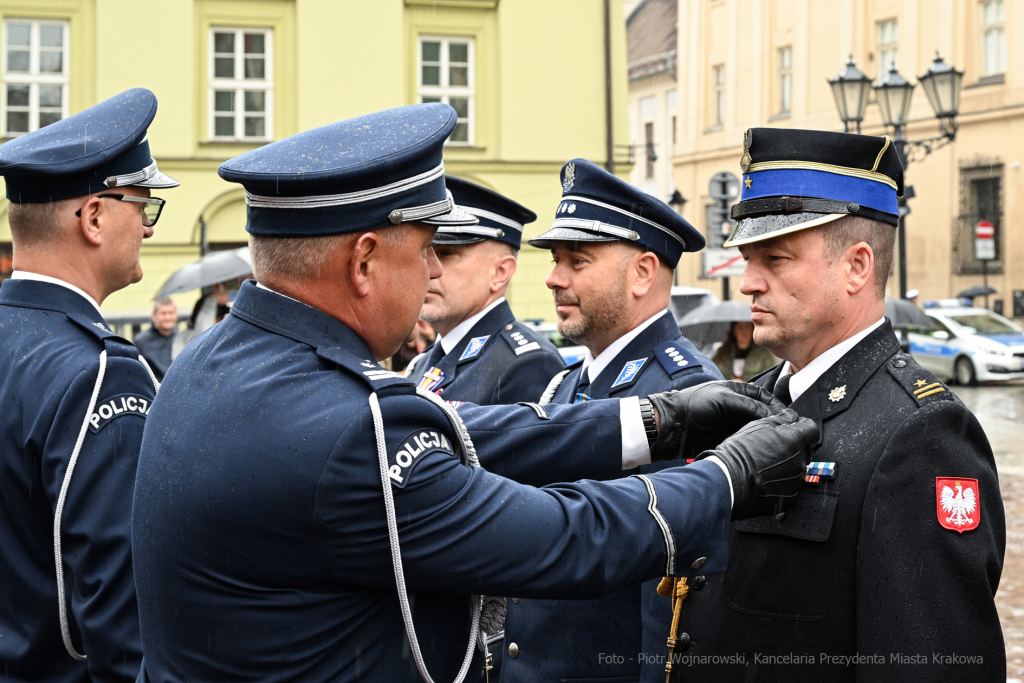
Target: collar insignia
(476, 344)
(629, 372)
(837, 394)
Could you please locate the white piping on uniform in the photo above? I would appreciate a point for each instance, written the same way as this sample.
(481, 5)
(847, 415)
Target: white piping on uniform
(396, 554)
(552, 388)
(652, 507)
(588, 200)
(65, 632)
(318, 201)
(481, 213)
(595, 226)
(152, 376)
(470, 230)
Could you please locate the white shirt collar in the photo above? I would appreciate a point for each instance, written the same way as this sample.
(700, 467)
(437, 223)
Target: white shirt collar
(452, 339)
(595, 366)
(25, 275)
(803, 380)
(263, 286)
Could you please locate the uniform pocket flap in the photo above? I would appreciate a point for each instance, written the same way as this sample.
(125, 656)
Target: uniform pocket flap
(809, 519)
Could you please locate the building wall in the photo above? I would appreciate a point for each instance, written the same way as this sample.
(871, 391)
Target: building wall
(745, 36)
(540, 98)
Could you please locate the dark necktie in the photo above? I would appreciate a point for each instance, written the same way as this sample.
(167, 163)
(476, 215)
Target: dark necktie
(434, 356)
(781, 389)
(582, 387)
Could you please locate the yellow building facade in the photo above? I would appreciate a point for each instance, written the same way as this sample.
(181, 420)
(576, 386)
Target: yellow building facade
(526, 77)
(745, 63)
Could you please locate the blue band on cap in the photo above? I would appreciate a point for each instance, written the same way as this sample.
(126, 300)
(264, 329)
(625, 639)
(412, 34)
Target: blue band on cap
(822, 185)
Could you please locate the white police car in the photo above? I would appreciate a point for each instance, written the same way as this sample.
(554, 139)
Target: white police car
(570, 350)
(969, 345)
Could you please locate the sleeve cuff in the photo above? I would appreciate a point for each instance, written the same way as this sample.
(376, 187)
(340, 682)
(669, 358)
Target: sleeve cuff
(728, 477)
(635, 451)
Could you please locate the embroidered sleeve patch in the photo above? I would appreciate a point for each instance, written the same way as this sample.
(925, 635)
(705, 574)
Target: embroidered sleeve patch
(957, 503)
(404, 459)
(117, 406)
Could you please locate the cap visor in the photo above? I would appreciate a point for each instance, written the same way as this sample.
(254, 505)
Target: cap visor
(158, 181)
(443, 237)
(761, 228)
(457, 216)
(569, 235)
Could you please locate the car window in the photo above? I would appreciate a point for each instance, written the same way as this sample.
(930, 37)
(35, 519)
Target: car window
(938, 326)
(981, 323)
(556, 338)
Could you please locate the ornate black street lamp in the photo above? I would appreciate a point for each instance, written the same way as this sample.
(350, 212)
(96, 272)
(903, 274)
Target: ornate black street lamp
(676, 200)
(894, 94)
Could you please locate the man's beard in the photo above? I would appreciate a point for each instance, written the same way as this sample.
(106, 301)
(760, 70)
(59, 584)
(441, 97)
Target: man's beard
(597, 316)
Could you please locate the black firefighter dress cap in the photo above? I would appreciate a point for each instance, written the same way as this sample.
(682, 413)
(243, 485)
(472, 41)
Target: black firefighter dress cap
(597, 206)
(98, 149)
(362, 174)
(500, 218)
(798, 179)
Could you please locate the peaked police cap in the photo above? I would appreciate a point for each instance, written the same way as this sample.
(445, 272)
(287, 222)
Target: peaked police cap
(597, 206)
(798, 179)
(500, 218)
(361, 174)
(98, 149)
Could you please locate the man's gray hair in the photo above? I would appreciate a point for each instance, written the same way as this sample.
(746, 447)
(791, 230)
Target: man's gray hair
(304, 258)
(166, 301)
(845, 232)
(39, 223)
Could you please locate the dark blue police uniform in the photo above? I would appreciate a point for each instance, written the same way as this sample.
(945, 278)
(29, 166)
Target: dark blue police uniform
(75, 399)
(499, 360)
(288, 484)
(608, 638)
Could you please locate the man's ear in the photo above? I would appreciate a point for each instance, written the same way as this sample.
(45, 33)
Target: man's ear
(504, 268)
(363, 261)
(91, 221)
(645, 270)
(860, 260)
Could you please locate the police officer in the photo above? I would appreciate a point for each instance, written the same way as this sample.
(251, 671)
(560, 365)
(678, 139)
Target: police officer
(75, 395)
(484, 355)
(291, 492)
(886, 567)
(615, 251)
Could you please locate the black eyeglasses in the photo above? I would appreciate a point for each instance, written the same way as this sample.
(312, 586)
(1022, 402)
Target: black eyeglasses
(150, 211)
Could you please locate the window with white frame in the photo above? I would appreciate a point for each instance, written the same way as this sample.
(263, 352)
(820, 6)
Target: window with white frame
(446, 75)
(719, 101)
(888, 46)
(785, 79)
(993, 38)
(35, 92)
(241, 97)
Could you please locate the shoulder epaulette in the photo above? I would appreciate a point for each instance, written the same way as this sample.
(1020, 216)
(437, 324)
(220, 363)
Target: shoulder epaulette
(368, 371)
(99, 330)
(675, 357)
(520, 340)
(922, 385)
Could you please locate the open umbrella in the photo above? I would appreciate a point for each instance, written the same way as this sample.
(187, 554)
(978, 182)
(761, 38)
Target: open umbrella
(972, 292)
(711, 323)
(904, 313)
(217, 266)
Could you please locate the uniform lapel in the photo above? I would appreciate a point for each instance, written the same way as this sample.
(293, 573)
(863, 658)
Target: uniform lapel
(838, 386)
(474, 344)
(619, 374)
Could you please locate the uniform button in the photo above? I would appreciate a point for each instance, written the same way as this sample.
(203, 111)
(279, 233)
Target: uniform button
(516, 600)
(508, 327)
(900, 363)
(699, 581)
(699, 562)
(779, 517)
(683, 641)
(513, 650)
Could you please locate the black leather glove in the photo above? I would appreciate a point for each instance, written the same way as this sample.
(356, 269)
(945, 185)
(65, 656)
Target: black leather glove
(767, 461)
(699, 418)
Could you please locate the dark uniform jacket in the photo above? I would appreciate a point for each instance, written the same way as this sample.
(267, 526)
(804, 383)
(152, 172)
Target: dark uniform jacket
(499, 361)
(259, 524)
(861, 580)
(604, 639)
(51, 339)
(156, 349)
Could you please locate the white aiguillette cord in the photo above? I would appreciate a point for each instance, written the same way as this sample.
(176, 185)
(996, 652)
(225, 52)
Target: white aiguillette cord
(65, 631)
(396, 554)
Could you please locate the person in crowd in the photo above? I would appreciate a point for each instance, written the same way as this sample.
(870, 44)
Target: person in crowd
(421, 339)
(291, 493)
(485, 356)
(155, 343)
(887, 565)
(75, 396)
(209, 310)
(739, 358)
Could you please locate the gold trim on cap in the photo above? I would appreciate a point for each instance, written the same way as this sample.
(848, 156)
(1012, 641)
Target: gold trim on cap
(828, 168)
(878, 159)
